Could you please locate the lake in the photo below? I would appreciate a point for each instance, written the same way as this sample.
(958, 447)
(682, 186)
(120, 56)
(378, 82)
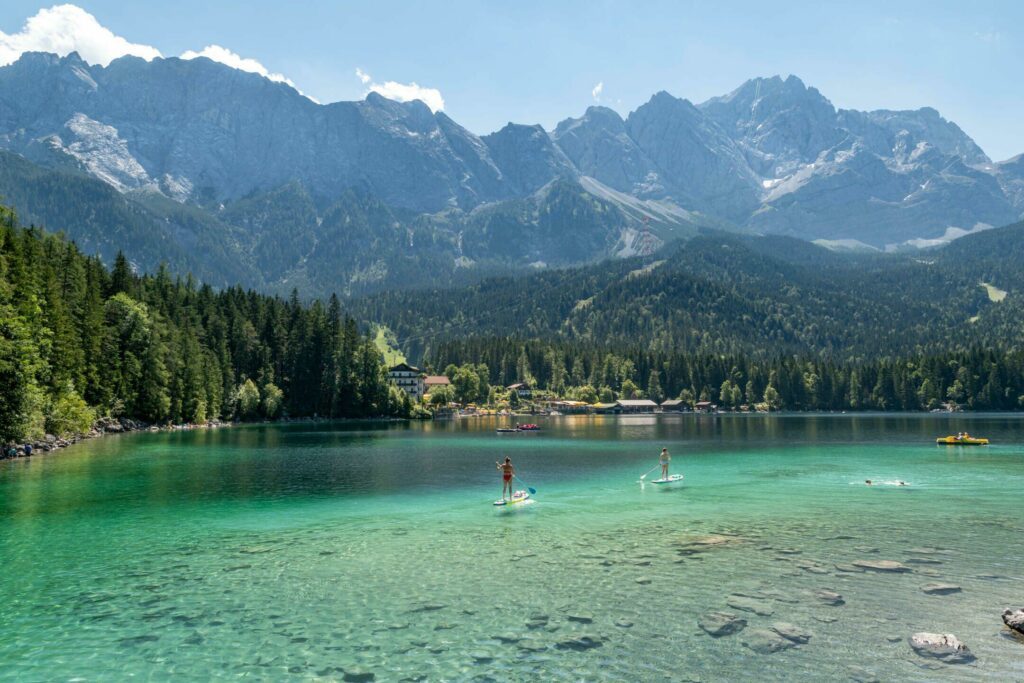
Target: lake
(372, 551)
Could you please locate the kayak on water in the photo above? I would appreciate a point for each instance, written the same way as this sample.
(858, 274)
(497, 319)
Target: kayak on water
(672, 479)
(518, 498)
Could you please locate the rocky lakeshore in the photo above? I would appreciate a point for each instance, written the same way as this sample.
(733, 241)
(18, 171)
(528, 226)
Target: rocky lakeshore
(103, 427)
(112, 425)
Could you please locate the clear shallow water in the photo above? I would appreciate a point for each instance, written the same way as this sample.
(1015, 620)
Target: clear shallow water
(320, 551)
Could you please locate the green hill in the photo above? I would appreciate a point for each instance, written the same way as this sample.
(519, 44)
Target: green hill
(726, 293)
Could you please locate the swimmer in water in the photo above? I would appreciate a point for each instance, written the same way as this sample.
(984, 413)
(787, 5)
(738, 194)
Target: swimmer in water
(868, 482)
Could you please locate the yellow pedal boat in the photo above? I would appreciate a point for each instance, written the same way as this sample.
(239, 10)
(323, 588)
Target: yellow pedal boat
(961, 441)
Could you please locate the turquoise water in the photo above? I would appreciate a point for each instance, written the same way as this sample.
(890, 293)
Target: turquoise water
(334, 551)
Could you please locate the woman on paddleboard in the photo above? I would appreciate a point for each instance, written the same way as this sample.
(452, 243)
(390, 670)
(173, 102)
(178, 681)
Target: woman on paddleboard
(664, 460)
(507, 472)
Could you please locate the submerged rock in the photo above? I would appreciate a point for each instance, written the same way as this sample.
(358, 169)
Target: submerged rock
(427, 607)
(791, 632)
(718, 624)
(581, 617)
(580, 643)
(829, 597)
(1014, 620)
(357, 676)
(766, 642)
(942, 646)
(882, 566)
(138, 640)
(530, 645)
(941, 588)
(861, 675)
(745, 604)
(537, 621)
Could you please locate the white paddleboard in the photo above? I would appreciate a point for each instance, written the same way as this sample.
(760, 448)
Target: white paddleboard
(518, 498)
(672, 479)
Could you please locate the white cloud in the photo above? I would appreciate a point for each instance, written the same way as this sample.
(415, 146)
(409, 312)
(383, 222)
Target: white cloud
(403, 92)
(235, 61)
(64, 29)
(407, 92)
(596, 92)
(990, 37)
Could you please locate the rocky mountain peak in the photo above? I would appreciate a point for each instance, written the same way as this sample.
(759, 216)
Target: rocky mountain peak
(772, 155)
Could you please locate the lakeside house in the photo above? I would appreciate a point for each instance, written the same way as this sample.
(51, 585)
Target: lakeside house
(408, 378)
(606, 409)
(432, 382)
(673, 405)
(568, 407)
(522, 389)
(639, 405)
(704, 407)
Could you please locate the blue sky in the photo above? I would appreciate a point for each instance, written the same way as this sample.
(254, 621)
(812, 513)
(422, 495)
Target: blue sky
(539, 62)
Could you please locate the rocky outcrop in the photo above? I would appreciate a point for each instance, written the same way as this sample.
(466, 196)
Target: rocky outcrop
(104, 425)
(1014, 620)
(944, 647)
(940, 588)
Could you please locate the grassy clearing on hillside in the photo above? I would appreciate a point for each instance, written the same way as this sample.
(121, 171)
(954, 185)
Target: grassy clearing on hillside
(386, 342)
(995, 294)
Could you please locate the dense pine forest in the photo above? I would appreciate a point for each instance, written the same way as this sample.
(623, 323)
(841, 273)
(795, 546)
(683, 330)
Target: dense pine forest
(741, 320)
(722, 293)
(79, 341)
(973, 379)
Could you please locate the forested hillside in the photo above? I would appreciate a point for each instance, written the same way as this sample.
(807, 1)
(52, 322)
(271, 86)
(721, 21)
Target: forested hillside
(743, 320)
(757, 296)
(78, 340)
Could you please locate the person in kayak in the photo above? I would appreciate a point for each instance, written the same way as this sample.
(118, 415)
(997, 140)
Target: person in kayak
(507, 472)
(664, 460)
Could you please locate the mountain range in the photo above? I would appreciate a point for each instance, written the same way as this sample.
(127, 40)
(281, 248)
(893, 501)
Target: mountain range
(239, 179)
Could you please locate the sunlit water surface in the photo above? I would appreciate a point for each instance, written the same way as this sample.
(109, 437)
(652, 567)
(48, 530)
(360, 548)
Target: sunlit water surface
(363, 551)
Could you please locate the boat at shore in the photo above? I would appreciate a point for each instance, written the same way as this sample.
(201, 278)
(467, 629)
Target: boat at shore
(961, 441)
(518, 428)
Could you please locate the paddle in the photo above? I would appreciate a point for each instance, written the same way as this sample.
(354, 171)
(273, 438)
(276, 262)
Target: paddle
(533, 491)
(644, 475)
